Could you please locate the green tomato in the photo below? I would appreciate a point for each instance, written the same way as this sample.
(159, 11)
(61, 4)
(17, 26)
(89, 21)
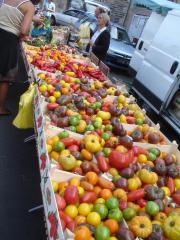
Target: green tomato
(63, 134)
(93, 106)
(129, 213)
(152, 208)
(108, 127)
(72, 128)
(115, 214)
(155, 151)
(98, 105)
(90, 127)
(74, 120)
(139, 121)
(112, 203)
(151, 156)
(97, 124)
(58, 146)
(102, 233)
(101, 209)
(77, 80)
(105, 136)
(116, 178)
(107, 151)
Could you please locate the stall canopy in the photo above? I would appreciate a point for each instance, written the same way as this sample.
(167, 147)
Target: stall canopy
(160, 6)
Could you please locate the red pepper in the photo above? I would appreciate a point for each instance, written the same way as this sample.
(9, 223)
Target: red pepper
(72, 68)
(88, 197)
(68, 141)
(141, 202)
(170, 185)
(102, 163)
(176, 198)
(79, 73)
(52, 106)
(135, 195)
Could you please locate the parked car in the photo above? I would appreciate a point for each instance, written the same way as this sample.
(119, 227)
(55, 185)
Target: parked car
(89, 5)
(68, 17)
(121, 49)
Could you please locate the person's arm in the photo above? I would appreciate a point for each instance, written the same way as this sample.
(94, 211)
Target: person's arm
(103, 44)
(28, 10)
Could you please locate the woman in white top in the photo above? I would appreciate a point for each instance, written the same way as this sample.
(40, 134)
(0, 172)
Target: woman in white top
(15, 22)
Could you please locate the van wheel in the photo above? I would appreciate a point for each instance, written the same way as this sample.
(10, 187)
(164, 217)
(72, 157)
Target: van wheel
(53, 21)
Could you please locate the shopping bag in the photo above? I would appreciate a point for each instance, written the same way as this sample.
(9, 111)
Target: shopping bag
(24, 118)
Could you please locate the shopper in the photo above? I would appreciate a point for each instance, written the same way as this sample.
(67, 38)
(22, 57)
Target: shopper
(15, 22)
(49, 8)
(100, 40)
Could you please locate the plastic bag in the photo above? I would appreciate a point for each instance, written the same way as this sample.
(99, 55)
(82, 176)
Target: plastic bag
(84, 31)
(24, 118)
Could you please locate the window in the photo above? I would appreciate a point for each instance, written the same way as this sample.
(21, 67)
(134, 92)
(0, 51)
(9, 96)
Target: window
(119, 34)
(72, 13)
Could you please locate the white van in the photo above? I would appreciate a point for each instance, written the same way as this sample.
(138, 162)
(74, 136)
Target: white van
(152, 26)
(157, 80)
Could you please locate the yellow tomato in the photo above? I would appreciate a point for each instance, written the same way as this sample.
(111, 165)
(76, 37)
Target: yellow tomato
(55, 186)
(122, 118)
(177, 183)
(71, 211)
(166, 191)
(55, 139)
(57, 94)
(100, 200)
(94, 219)
(49, 148)
(80, 190)
(133, 184)
(84, 209)
(52, 99)
(142, 158)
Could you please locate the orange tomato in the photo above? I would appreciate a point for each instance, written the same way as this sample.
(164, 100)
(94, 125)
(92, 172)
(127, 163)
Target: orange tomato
(75, 181)
(160, 217)
(105, 193)
(82, 233)
(80, 219)
(92, 177)
(65, 91)
(97, 190)
(86, 154)
(49, 141)
(54, 155)
(112, 225)
(63, 185)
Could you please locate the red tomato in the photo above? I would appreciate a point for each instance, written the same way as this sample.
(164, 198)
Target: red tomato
(71, 195)
(61, 204)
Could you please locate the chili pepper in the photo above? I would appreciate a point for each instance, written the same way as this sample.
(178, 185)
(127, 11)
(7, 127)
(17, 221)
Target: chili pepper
(73, 69)
(135, 195)
(79, 73)
(141, 202)
(171, 185)
(176, 198)
(102, 163)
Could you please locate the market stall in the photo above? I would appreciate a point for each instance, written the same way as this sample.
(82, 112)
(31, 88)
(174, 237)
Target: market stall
(107, 171)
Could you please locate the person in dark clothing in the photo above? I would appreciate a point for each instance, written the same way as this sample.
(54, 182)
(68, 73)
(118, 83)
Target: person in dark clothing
(100, 40)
